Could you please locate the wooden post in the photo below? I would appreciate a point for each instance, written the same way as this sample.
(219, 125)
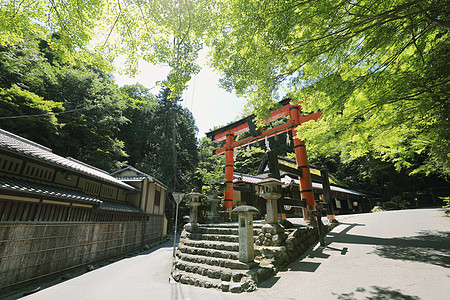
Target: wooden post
(306, 191)
(229, 159)
(327, 194)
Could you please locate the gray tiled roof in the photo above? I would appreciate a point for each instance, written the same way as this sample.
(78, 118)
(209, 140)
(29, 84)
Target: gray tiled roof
(317, 185)
(239, 177)
(20, 145)
(134, 178)
(131, 178)
(26, 186)
(123, 207)
(30, 187)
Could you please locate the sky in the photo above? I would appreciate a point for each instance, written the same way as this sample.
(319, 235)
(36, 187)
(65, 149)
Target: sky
(210, 105)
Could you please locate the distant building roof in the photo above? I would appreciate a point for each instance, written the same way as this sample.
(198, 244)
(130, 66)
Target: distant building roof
(239, 177)
(289, 180)
(140, 176)
(16, 144)
(314, 170)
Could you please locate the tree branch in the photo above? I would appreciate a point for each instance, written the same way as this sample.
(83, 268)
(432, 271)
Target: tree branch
(114, 24)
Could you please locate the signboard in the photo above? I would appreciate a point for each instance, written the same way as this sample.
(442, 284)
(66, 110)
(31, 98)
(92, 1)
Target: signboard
(178, 197)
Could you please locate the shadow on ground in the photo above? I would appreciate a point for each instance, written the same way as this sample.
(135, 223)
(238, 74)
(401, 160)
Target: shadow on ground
(430, 247)
(375, 293)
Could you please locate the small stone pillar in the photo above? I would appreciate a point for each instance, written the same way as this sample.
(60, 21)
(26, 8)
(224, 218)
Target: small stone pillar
(213, 214)
(246, 243)
(194, 203)
(271, 192)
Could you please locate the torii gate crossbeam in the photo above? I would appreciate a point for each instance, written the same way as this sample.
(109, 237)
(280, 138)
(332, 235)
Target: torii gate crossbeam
(229, 132)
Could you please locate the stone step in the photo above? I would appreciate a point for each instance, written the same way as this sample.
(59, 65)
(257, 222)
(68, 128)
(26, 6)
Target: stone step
(228, 246)
(222, 231)
(213, 272)
(197, 280)
(214, 261)
(228, 225)
(214, 237)
(208, 252)
(235, 281)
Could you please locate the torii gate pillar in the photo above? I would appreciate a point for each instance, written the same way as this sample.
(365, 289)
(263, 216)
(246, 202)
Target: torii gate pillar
(306, 190)
(229, 160)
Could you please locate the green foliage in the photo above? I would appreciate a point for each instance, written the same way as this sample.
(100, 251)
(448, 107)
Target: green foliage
(378, 71)
(150, 138)
(446, 201)
(41, 125)
(96, 31)
(87, 103)
(211, 168)
(89, 118)
(396, 202)
(248, 164)
(90, 130)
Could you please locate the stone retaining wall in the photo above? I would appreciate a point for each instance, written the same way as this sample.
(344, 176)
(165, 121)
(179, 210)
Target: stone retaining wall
(295, 242)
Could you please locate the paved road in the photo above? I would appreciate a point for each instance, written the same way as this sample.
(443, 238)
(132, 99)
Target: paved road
(402, 255)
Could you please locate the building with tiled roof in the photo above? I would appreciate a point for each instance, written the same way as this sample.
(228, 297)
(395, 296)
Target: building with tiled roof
(345, 200)
(30, 172)
(153, 191)
(58, 213)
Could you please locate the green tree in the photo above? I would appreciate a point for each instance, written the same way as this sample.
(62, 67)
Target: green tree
(378, 71)
(90, 129)
(158, 127)
(211, 168)
(29, 115)
(159, 31)
(87, 103)
(137, 132)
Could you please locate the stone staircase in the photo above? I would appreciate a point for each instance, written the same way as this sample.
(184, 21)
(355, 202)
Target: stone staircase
(207, 256)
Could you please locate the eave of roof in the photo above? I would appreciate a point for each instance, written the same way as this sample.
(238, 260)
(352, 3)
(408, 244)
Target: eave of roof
(19, 145)
(30, 187)
(120, 207)
(131, 178)
(288, 180)
(17, 185)
(239, 177)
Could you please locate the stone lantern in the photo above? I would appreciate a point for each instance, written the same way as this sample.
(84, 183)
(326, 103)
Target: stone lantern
(271, 192)
(213, 214)
(194, 203)
(246, 242)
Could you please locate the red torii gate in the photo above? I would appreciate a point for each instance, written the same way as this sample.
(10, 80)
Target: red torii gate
(229, 132)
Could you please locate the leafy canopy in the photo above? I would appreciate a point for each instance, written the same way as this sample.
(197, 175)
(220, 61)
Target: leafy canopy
(95, 31)
(378, 70)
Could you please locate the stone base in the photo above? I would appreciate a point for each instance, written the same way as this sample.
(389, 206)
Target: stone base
(191, 227)
(215, 219)
(272, 228)
(296, 241)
